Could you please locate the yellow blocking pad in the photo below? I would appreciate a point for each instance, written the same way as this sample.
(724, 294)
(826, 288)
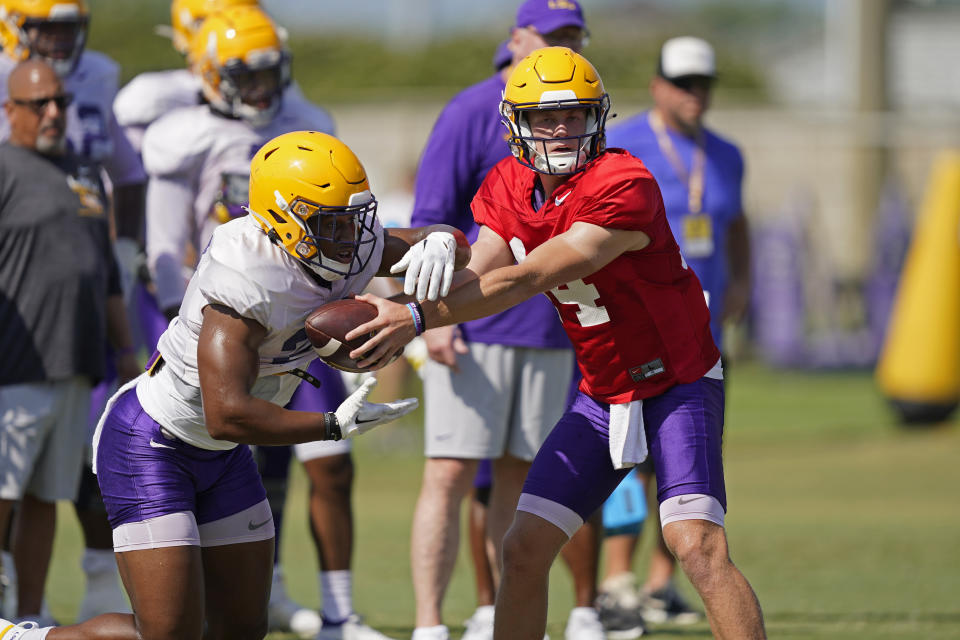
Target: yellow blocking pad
(920, 361)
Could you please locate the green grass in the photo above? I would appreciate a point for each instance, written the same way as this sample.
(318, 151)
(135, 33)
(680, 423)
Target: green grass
(847, 525)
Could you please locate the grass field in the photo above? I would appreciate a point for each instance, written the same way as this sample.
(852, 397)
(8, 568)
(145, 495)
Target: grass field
(847, 525)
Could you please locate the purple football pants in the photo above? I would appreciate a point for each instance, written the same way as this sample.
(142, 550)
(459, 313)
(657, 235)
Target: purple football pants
(144, 473)
(684, 427)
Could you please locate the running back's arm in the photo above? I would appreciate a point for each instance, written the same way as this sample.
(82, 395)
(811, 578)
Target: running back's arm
(228, 362)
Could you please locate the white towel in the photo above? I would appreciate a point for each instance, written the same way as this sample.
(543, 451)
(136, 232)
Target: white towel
(628, 438)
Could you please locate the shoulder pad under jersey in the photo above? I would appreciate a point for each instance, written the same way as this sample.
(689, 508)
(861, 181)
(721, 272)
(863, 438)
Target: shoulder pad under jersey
(178, 141)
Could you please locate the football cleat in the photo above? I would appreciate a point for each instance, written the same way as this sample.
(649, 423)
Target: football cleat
(584, 624)
(352, 628)
(11, 631)
(284, 614)
(667, 605)
(479, 626)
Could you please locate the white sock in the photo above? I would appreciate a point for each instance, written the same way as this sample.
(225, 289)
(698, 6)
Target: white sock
(336, 588)
(439, 632)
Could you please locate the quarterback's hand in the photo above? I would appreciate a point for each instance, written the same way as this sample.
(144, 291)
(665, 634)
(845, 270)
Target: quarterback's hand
(391, 330)
(429, 265)
(357, 416)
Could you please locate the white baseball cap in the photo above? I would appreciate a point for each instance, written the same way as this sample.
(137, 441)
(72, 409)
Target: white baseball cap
(687, 56)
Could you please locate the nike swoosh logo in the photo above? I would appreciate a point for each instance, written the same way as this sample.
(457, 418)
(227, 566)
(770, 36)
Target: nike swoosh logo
(157, 445)
(254, 527)
(560, 199)
(366, 421)
(681, 501)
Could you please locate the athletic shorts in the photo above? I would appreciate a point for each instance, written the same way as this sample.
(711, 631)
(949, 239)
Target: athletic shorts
(684, 427)
(503, 400)
(144, 472)
(43, 430)
(328, 397)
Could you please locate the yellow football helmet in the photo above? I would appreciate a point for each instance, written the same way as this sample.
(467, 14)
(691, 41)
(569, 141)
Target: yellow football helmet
(53, 30)
(549, 79)
(302, 185)
(186, 16)
(243, 63)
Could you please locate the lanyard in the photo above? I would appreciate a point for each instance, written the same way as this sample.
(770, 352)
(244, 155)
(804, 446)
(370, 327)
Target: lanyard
(694, 177)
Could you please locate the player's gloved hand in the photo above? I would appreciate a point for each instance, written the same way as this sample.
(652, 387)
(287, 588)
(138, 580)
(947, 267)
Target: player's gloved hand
(429, 266)
(356, 416)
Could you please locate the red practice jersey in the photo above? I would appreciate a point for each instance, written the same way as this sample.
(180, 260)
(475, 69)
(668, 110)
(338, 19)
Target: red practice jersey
(640, 324)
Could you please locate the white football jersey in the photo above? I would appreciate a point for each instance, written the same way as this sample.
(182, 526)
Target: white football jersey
(198, 162)
(243, 270)
(92, 129)
(153, 94)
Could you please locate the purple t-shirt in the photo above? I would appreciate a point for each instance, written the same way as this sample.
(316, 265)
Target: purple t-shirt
(467, 140)
(722, 200)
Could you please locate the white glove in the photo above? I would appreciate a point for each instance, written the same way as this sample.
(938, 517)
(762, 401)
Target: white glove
(429, 266)
(356, 416)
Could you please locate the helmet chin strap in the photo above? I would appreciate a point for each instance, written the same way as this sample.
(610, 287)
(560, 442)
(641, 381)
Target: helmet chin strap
(323, 269)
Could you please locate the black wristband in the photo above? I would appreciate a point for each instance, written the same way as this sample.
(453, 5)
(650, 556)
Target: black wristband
(331, 427)
(423, 318)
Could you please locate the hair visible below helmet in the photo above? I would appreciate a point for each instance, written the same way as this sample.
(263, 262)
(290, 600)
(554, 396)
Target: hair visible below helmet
(18, 17)
(549, 79)
(230, 51)
(299, 177)
(186, 16)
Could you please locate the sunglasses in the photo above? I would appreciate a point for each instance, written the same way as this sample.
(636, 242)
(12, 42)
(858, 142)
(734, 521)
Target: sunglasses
(39, 105)
(691, 83)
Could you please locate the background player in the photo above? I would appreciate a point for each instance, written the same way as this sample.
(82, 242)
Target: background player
(587, 227)
(700, 175)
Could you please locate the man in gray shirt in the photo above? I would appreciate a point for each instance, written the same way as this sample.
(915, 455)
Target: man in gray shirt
(60, 301)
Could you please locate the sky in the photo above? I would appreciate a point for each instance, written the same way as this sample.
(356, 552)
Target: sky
(415, 18)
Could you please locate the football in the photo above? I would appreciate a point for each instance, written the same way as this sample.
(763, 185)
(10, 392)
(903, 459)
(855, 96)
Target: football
(327, 326)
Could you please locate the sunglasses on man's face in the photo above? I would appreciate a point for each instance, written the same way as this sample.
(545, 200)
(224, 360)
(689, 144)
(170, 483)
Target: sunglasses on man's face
(39, 105)
(692, 83)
